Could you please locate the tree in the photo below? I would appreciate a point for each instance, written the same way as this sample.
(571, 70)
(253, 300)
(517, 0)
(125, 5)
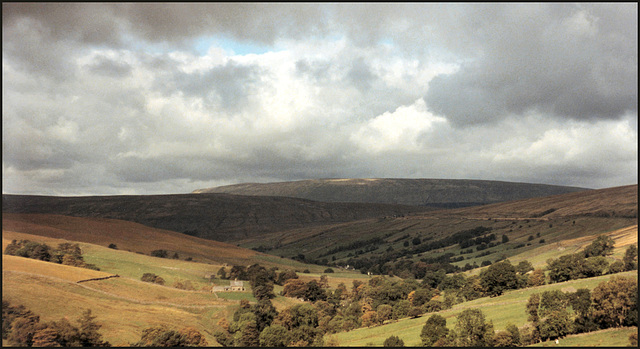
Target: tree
(551, 301)
(284, 276)
(505, 239)
(601, 246)
(401, 309)
(532, 308)
(567, 267)
(514, 332)
(498, 277)
(222, 273)
(434, 329)
(89, 335)
(250, 336)
(265, 312)
(556, 324)
(502, 339)
(369, 318)
(274, 336)
(393, 341)
(163, 336)
(595, 266)
(616, 267)
(536, 278)
(630, 258)
(580, 301)
(385, 312)
(472, 330)
(314, 292)
(524, 267)
(615, 302)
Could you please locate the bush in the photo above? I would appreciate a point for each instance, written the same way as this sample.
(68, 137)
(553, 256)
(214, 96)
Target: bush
(328, 270)
(162, 336)
(393, 341)
(153, 278)
(113, 246)
(159, 253)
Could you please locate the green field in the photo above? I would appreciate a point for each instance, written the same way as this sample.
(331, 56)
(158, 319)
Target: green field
(502, 310)
(613, 337)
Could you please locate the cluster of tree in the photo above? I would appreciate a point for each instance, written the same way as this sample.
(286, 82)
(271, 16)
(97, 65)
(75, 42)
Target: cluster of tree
(591, 262)
(163, 336)
(613, 303)
(354, 245)
(261, 325)
(21, 327)
(483, 240)
(256, 270)
(470, 330)
(390, 263)
(66, 253)
(153, 278)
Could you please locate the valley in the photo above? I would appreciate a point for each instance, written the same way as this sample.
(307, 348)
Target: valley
(349, 260)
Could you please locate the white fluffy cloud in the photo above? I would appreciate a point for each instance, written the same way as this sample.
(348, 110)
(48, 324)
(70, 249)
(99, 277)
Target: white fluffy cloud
(124, 99)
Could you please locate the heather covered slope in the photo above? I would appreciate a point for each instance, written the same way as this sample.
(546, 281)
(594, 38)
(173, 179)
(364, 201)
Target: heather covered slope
(526, 225)
(220, 217)
(610, 202)
(127, 236)
(444, 193)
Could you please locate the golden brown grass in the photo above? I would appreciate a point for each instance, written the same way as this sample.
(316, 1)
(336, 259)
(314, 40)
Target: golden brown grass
(64, 272)
(126, 235)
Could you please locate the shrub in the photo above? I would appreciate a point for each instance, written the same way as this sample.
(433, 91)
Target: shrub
(393, 341)
(153, 278)
(162, 336)
(113, 246)
(328, 270)
(159, 253)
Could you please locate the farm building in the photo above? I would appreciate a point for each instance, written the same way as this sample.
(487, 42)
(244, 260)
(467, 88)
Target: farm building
(234, 285)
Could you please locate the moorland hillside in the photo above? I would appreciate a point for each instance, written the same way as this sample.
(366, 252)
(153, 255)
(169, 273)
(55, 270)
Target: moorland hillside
(473, 235)
(220, 217)
(443, 193)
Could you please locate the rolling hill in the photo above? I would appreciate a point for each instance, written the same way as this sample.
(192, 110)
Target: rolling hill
(443, 193)
(527, 225)
(127, 236)
(220, 217)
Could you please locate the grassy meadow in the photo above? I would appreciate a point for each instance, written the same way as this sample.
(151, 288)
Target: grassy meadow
(612, 337)
(503, 310)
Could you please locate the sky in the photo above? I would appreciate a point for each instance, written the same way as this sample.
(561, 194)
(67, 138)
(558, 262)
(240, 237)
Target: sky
(128, 98)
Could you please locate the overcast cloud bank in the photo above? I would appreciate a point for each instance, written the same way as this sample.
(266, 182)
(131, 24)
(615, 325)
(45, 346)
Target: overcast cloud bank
(122, 98)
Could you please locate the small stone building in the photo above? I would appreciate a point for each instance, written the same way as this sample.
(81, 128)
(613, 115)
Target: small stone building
(234, 285)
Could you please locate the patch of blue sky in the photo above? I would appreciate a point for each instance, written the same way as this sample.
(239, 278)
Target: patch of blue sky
(202, 46)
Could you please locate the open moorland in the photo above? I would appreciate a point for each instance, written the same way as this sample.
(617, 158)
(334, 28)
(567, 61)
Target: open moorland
(445, 193)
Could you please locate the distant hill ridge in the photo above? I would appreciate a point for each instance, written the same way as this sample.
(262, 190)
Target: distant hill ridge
(443, 193)
(221, 217)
